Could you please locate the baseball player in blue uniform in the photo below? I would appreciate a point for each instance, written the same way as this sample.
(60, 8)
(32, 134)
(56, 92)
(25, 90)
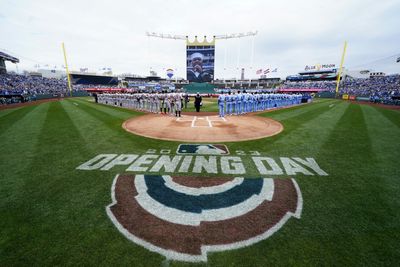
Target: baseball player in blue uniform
(261, 100)
(229, 103)
(239, 103)
(221, 104)
(234, 103)
(245, 102)
(269, 101)
(253, 102)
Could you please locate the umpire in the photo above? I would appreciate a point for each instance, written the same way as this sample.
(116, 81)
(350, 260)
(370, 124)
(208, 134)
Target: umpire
(197, 102)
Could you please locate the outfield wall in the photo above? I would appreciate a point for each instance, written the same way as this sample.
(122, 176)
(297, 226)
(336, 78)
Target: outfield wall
(74, 94)
(202, 88)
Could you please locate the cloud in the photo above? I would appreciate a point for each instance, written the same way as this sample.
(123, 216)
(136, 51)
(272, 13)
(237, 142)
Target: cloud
(291, 34)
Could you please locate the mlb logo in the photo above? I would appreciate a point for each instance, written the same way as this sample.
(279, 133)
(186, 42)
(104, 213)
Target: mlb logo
(202, 149)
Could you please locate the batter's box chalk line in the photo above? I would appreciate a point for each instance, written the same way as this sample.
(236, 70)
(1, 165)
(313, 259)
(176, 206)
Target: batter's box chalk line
(208, 119)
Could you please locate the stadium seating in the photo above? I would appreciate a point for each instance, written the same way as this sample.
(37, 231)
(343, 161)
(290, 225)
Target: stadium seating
(384, 89)
(21, 88)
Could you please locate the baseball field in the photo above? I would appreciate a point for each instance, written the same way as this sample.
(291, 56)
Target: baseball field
(63, 165)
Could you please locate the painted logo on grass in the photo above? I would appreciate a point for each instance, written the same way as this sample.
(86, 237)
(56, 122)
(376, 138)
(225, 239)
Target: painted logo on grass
(184, 218)
(202, 149)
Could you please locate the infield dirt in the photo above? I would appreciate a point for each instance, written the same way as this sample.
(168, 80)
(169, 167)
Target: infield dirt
(190, 128)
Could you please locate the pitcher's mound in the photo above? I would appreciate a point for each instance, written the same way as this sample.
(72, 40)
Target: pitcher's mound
(203, 128)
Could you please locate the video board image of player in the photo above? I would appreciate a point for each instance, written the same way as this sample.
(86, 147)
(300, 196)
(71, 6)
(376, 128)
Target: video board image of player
(200, 63)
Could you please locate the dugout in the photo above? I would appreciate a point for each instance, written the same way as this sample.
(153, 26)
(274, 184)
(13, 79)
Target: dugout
(6, 99)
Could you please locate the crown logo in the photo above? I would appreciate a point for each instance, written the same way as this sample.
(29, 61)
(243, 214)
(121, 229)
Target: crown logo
(197, 42)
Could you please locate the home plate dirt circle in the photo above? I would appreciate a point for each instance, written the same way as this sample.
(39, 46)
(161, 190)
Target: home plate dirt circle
(203, 128)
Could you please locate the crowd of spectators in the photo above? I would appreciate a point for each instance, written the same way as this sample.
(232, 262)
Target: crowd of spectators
(30, 85)
(133, 86)
(22, 88)
(80, 87)
(384, 89)
(323, 85)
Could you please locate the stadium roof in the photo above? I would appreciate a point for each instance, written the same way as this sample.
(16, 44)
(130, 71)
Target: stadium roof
(8, 57)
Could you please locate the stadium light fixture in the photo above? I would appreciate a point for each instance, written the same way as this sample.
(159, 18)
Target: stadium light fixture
(184, 37)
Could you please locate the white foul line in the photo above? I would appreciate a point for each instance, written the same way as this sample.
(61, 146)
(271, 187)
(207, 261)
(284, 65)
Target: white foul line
(209, 122)
(193, 121)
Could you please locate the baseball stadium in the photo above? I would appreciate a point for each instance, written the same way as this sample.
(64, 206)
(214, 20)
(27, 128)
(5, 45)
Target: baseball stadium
(121, 169)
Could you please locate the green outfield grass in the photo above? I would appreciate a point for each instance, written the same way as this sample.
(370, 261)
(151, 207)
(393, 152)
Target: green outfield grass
(53, 214)
(209, 105)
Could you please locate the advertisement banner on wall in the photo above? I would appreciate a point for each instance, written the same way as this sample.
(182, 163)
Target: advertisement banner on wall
(320, 67)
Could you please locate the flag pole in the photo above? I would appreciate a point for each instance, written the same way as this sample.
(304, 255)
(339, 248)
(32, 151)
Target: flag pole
(66, 69)
(340, 69)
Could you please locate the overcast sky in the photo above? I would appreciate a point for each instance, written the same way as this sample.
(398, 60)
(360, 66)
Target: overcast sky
(291, 34)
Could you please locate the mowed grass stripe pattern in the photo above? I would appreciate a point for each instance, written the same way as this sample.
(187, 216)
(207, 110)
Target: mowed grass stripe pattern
(18, 141)
(108, 120)
(53, 214)
(58, 208)
(349, 219)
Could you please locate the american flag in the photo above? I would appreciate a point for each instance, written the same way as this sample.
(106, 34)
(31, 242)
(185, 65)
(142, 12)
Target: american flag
(266, 71)
(259, 71)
